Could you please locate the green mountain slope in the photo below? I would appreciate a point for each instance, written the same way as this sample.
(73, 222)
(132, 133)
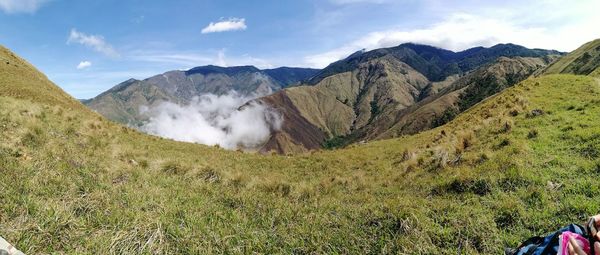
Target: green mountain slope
(585, 60)
(435, 63)
(520, 163)
(459, 96)
(289, 76)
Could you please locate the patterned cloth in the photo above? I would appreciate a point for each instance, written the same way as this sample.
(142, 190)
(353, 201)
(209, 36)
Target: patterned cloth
(8, 249)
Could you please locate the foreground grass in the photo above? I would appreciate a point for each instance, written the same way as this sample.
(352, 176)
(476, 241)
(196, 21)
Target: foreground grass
(519, 164)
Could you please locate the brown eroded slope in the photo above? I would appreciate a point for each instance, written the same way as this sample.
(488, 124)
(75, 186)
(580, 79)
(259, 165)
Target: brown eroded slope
(386, 98)
(461, 95)
(342, 103)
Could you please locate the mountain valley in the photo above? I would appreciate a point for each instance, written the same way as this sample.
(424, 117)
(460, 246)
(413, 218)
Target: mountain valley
(520, 162)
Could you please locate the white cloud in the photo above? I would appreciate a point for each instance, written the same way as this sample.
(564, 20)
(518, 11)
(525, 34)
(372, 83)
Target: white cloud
(84, 65)
(188, 59)
(249, 60)
(221, 58)
(214, 120)
(96, 42)
(21, 6)
(230, 24)
(461, 31)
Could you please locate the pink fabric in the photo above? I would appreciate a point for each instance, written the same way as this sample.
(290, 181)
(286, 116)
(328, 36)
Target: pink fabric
(564, 243)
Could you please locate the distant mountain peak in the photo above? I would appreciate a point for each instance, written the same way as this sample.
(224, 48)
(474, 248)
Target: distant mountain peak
(357, 53)
(122, 102)
(120, 86)
(434, 62)
(204, 70)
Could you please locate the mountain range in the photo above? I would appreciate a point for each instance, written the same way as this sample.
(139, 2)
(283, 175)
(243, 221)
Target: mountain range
(521, 162)
(122, 103)
(396, 91)
(369, 95)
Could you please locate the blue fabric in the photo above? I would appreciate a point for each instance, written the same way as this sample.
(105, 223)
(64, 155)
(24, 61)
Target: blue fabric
(549, 244)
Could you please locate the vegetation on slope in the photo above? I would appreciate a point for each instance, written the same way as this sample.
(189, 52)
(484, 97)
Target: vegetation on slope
(518, 164)
(585, 60)
(435, 63)
(385, 98)
(344, 102)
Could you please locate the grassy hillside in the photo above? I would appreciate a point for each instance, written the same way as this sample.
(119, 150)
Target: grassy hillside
(19, 79)
(584, 60)
(520, 163)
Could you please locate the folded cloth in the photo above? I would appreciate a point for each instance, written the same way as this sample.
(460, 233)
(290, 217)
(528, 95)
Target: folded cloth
(7, 249)
(583, 242)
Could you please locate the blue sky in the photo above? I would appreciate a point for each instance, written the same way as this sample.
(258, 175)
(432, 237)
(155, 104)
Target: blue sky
(88, 46)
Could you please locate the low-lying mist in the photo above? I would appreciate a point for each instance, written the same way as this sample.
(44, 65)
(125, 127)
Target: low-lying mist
(214, 120)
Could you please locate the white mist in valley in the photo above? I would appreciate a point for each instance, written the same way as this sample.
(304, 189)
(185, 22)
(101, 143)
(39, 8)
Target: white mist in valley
(214, 120)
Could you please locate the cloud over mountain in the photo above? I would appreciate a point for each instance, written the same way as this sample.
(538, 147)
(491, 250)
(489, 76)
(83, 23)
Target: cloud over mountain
(214, 120)
(556, 24)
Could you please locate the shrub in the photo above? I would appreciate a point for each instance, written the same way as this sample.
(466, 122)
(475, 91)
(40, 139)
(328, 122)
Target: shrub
(532, 134)
(395, 224)
(483, 157)
(172, 167)
(506, 127)
(144, 163)
(236, 180)
(304, 192)
(589, 151)
(209, 175)
(513, 179)
(277, 187)
(505, 142)
(508, 215)
(596, 167)
(465, 141)
(335, 142)
(403, 157)
(479, 187)
(439, 160)
(34, 138)
(535, 113)
(448, 115)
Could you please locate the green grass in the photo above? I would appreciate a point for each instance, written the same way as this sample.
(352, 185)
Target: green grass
(72, 182)
(581, 61)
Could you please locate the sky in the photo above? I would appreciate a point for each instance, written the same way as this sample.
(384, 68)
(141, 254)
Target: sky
(89, 46)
